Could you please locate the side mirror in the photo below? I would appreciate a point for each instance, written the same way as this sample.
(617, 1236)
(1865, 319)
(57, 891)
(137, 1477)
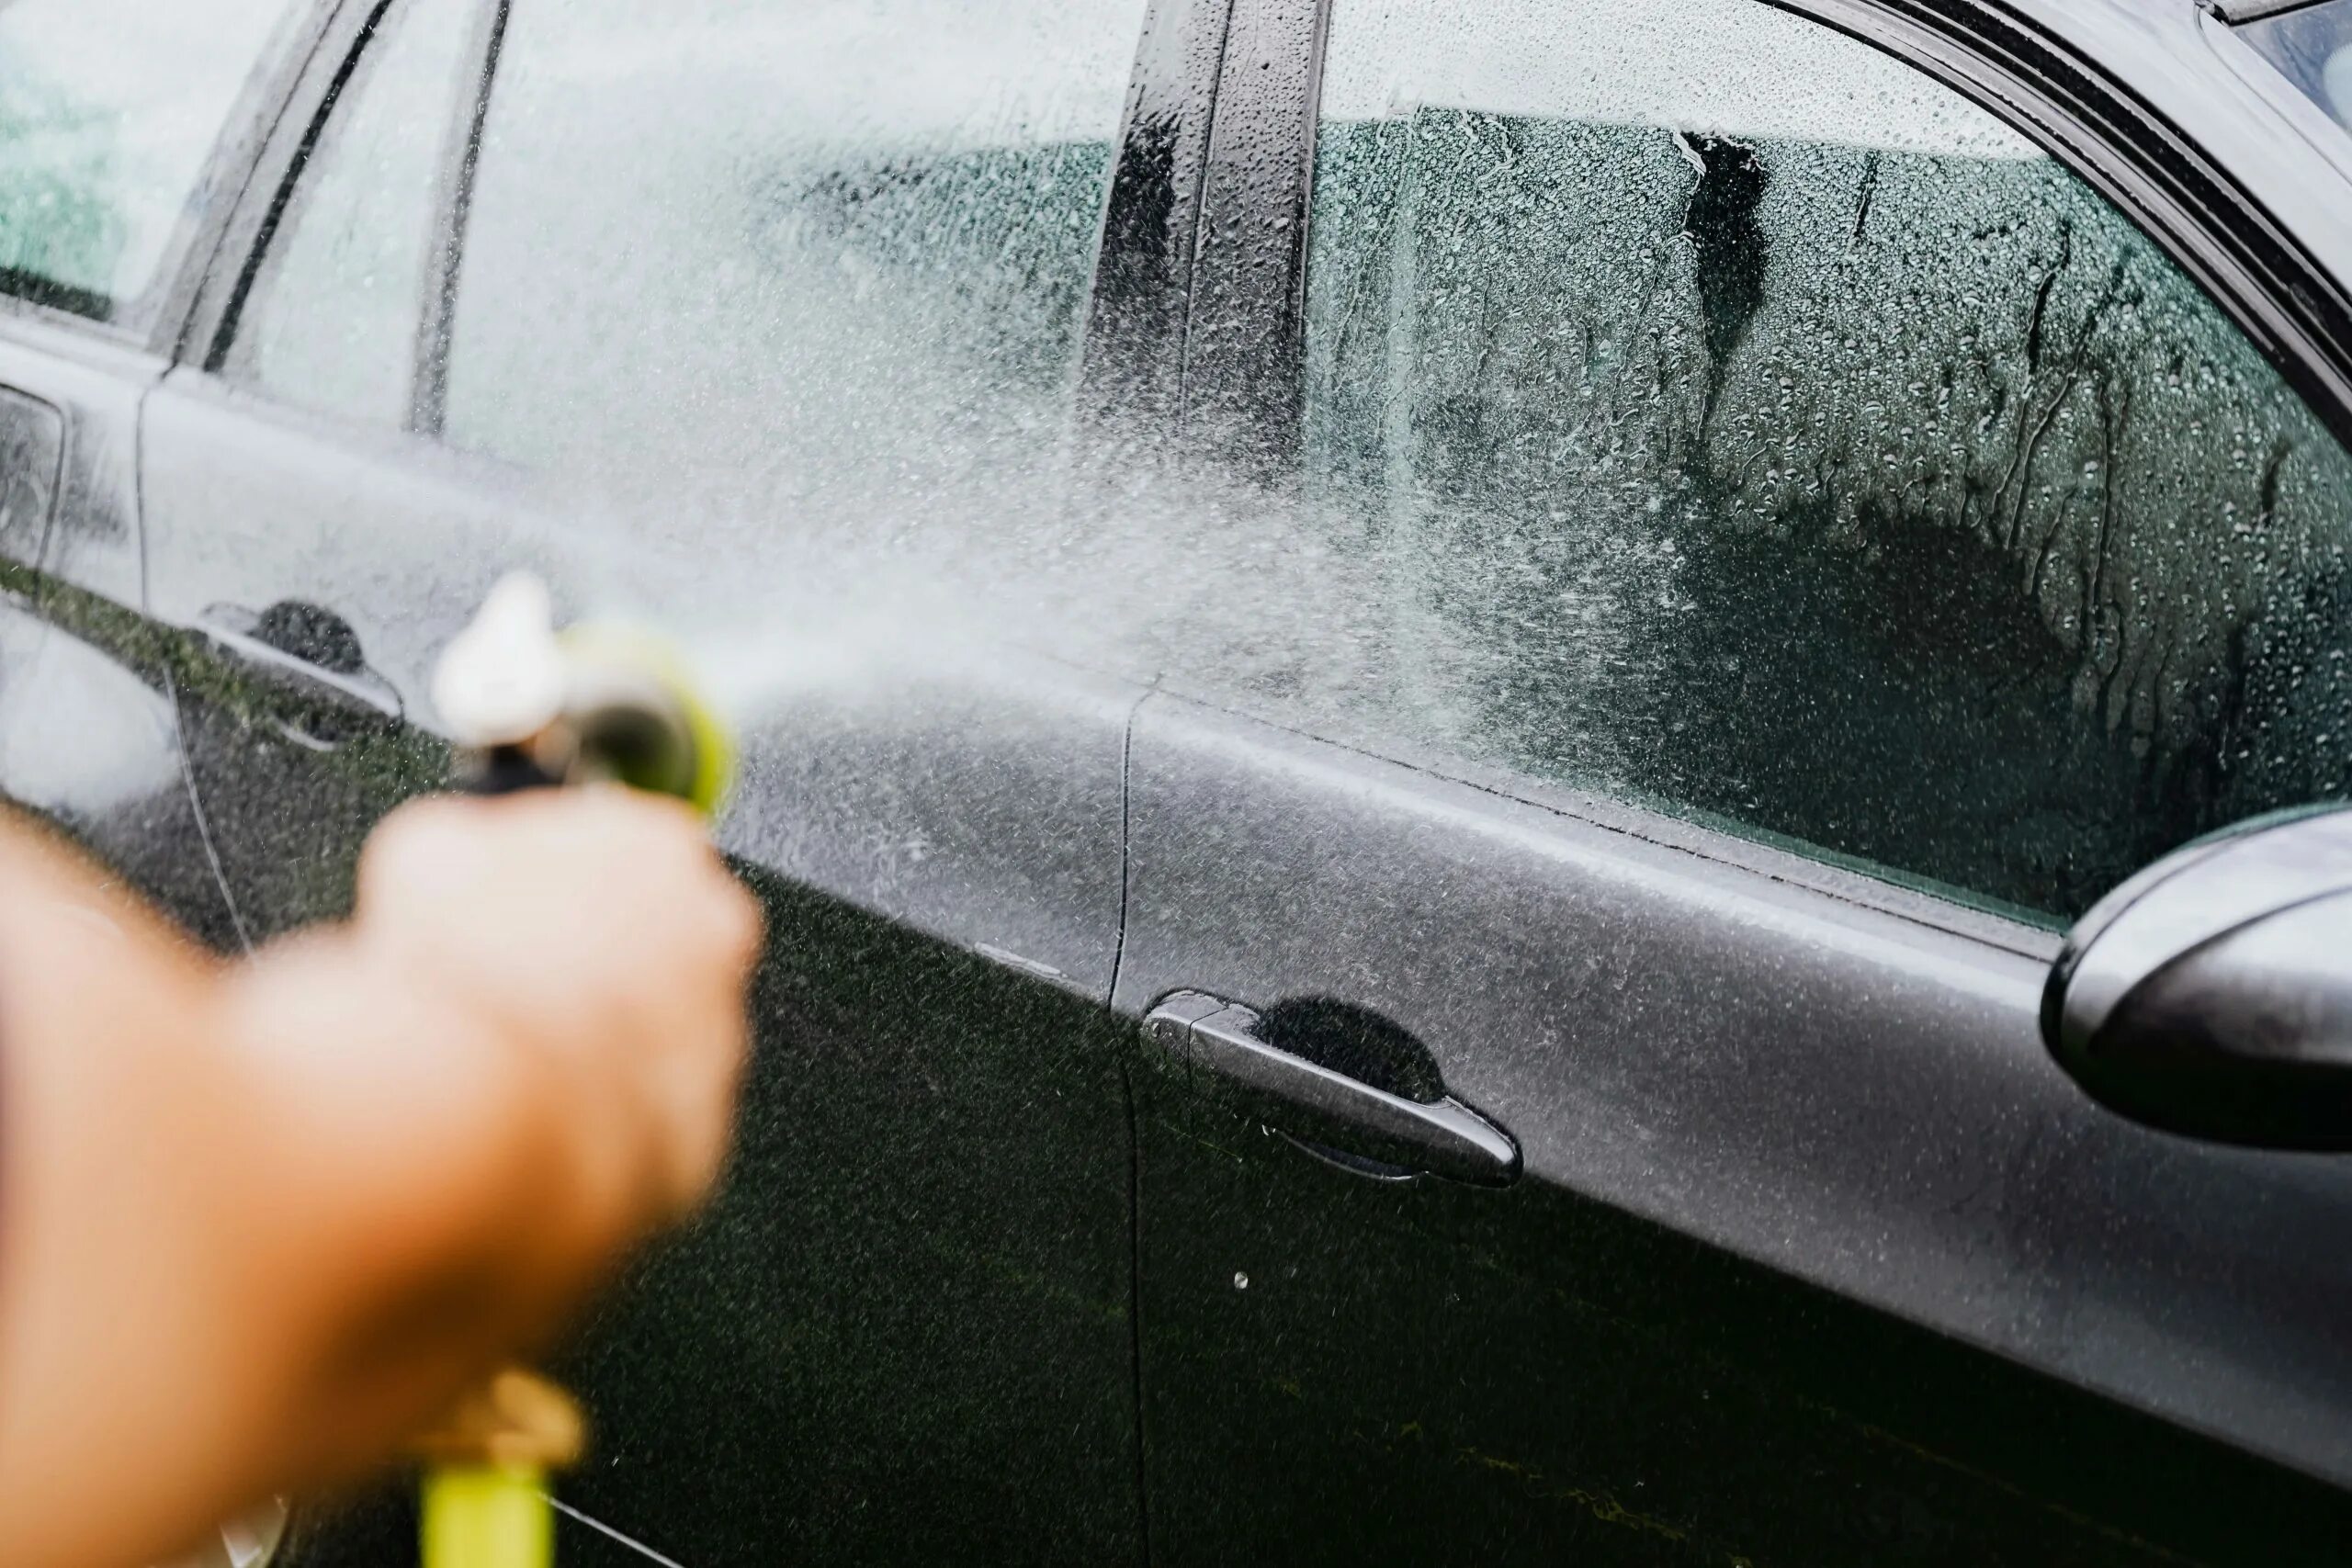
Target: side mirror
(2212, 994)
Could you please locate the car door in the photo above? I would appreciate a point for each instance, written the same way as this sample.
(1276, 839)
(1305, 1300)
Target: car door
(615, 292)
(110, 150)
(1759, 545)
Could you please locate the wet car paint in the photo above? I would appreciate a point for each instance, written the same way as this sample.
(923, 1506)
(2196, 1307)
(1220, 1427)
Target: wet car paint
(985, 1283)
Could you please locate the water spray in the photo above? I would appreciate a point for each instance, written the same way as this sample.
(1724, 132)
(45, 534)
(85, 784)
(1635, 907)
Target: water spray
(528, 707)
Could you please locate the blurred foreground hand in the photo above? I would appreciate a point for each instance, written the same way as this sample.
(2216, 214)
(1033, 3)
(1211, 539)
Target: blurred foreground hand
(260, 1222)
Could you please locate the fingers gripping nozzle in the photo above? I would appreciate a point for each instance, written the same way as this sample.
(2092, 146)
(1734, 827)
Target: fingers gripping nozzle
(529, 707)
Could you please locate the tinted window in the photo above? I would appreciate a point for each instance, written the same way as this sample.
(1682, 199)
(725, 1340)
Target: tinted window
(2312, 48)
(333, 318)
(827, 256)
(108, 109)
(1706, 408)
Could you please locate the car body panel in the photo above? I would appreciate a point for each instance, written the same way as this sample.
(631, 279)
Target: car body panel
(87, 738)
(920, 1260)
(1806, 1203)
(1813, 1256)
(1688, 1047)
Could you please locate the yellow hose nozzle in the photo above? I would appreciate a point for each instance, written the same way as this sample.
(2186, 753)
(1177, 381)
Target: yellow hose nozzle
(530, 707)
(485, 1503)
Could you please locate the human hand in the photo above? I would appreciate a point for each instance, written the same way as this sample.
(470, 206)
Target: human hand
(264, 1220)
(597, 933)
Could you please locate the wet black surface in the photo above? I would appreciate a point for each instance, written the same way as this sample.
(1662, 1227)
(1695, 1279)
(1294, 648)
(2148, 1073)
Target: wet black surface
(1432, 1372)
(901, 1334)
(909, 1328)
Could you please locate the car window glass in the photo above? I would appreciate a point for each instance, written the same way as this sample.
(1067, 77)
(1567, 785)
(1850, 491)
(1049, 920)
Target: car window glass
(825, 259)
(332, 319)
(1713, 412)
(108, 109)
(2312, 47)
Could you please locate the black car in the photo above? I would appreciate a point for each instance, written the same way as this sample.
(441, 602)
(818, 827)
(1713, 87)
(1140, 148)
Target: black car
(1427, 683)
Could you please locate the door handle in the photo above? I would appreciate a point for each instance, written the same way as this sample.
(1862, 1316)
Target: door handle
(309, 659)
(1225, 1052)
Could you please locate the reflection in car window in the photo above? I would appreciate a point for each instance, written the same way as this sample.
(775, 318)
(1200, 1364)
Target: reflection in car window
(825, 256)
(1719, 413)
(332, 321)
(2312, 49)
(108, 109)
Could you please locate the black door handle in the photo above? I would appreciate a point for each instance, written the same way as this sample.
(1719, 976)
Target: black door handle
(308, 660)
(1230, 1060)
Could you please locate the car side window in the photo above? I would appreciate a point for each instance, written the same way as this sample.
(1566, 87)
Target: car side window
(820, 257)
(2312, 47)
(332, 319)
(108, 110)
(1705, 408)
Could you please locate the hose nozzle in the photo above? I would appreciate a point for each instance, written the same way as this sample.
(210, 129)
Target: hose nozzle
(528, 706)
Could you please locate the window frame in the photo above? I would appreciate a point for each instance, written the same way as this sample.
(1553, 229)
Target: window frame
(2331, 140)
(2271, 287)
(2201, 216)
(1208, 344)
(152, 321)
(225, 284)
(453, 211)
(1173, 326)
(1135, 315)
(1139, 303)
(1244, 346)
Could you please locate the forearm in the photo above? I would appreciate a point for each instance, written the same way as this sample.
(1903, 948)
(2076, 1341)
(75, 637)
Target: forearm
(280, 1203)
(103, 1019)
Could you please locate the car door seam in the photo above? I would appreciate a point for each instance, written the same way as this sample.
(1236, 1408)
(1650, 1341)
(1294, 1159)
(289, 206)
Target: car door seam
(1127, 845)
(1135, 1306)
(170, 680)
(203, 826)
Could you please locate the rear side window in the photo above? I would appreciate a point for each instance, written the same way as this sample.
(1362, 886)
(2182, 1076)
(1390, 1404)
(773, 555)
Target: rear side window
(1705, 408)
(817, 257)
(108, 110)
(337, 313)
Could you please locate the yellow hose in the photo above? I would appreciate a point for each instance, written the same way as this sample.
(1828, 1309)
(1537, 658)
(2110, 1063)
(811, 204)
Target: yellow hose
(487, 1517)
(485, 1503)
